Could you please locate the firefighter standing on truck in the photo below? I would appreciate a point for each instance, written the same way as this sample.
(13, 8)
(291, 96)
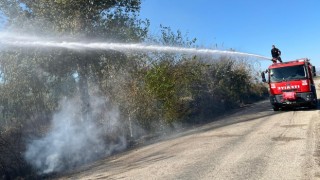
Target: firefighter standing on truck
(275, 52)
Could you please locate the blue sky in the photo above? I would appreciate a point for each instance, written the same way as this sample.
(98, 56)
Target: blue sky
(250, 26)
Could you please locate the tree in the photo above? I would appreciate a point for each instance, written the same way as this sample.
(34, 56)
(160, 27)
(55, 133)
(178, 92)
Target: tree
(35, 79)
(113, 19)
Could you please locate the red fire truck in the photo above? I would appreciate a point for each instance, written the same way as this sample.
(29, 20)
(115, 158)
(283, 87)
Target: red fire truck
(291, 84)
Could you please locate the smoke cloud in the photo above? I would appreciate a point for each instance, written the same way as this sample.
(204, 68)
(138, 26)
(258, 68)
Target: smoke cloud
(72, 141)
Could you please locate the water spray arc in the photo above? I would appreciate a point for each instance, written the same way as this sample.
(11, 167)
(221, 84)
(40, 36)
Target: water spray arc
(27, 41)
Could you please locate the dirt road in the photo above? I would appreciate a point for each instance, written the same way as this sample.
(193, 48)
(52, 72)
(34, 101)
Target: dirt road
(255, 143)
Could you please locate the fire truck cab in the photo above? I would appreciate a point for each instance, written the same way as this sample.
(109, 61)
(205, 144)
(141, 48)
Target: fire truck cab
(291, 84)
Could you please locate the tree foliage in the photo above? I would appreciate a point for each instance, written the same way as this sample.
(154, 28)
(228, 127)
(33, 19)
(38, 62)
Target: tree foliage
(34, 79)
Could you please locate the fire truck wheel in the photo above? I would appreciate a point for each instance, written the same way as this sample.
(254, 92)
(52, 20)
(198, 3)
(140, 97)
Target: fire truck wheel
(314, 105)
(275, 108)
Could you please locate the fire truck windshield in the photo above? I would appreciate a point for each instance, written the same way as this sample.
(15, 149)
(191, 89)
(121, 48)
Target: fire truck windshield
(287, 73)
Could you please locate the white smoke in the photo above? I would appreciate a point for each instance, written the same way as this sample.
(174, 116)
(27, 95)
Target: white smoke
(72, 141)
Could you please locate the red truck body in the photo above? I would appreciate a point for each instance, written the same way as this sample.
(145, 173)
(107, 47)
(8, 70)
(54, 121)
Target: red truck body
(291, 84)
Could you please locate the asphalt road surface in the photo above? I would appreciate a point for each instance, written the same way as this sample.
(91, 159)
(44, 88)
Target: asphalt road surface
(254, 143)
